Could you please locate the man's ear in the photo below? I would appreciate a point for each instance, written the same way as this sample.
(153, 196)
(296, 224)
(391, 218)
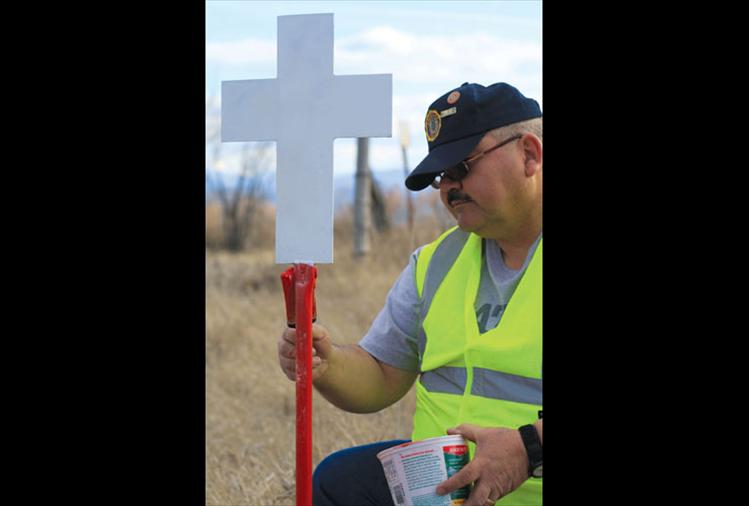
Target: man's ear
(533, 154)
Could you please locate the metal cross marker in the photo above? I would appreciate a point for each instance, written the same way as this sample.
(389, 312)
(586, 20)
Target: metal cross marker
(304, 109)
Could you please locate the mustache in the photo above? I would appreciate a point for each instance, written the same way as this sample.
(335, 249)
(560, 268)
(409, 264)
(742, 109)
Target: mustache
(455, 194)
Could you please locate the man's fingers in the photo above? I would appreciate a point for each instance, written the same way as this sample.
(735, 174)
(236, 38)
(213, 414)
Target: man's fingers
(318, 335)
(467, 430)
(318, 332)
(286, 350)
(289, 335)
(289, 364)
(289, 351)
(460, 479)
(480, 496)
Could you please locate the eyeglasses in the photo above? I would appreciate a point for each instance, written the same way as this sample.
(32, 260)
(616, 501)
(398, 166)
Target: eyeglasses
(459, 171)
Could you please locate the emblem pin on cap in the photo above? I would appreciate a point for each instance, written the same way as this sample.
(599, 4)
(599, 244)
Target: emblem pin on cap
(432, 124)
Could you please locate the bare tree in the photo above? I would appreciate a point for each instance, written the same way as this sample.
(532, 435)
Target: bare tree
(362, 195)
(380, 215)
(240, 203)
(369, 201)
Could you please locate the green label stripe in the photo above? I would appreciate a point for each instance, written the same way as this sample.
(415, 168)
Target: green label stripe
(455, 463)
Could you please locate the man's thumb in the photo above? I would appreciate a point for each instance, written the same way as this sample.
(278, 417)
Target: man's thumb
(466, 430)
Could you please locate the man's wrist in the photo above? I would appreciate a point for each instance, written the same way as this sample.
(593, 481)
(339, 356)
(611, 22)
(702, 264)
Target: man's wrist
(521, 451)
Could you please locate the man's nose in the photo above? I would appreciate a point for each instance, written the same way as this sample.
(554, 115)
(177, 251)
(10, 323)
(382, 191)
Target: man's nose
(448, 184)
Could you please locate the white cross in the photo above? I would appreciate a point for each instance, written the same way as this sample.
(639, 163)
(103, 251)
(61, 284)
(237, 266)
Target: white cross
(304, 109)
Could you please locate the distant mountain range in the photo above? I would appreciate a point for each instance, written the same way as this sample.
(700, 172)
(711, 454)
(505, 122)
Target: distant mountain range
(343, 185)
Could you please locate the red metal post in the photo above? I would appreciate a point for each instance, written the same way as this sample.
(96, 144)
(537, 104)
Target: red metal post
(305, 276)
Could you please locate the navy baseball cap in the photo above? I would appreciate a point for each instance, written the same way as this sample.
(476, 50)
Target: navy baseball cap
(457, 121)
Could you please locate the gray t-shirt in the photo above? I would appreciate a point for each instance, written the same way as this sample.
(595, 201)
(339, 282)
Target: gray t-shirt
(392, 336)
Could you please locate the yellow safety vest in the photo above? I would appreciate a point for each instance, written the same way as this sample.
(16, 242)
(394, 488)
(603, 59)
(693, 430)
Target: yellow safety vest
(491, 379)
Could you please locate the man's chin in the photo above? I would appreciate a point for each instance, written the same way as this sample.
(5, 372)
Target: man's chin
(466, 225)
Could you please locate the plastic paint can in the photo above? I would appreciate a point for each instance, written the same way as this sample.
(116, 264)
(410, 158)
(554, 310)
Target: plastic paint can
(413, 470)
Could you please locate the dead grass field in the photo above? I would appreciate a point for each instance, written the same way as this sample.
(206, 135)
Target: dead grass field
(250, 415)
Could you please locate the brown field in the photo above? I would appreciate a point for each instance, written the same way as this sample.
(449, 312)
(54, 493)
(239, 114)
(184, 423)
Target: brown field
(250, 416)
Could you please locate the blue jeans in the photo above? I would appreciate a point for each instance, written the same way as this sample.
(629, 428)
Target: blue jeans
(352, 477)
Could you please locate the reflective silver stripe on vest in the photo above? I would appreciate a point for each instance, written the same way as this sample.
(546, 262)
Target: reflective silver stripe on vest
(442, 260)
(505, 386)
(446, 380)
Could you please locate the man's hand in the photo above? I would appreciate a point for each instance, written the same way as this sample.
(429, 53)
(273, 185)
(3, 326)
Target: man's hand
(321, 349)
(499, 465)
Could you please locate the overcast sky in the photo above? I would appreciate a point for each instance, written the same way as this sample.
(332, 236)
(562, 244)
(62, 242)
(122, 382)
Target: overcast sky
(429, 48)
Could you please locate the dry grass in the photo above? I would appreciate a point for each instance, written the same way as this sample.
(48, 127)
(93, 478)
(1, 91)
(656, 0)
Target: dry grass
(249, 402)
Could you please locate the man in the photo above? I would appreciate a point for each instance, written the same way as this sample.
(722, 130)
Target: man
(464, 316)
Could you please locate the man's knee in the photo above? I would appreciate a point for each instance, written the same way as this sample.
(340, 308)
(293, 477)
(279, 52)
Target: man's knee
(352, 476)
(323, 474)
(328, 478)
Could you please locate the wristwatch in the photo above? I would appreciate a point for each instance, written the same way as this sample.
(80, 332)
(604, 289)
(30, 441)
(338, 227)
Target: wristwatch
(535, 451)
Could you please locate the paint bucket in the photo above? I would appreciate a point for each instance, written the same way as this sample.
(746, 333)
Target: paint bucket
(413, 470)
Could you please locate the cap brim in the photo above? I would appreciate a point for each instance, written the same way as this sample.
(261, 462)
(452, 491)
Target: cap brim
(439, 159)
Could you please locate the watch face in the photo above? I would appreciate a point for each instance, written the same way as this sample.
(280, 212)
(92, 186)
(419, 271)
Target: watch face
(538, 471)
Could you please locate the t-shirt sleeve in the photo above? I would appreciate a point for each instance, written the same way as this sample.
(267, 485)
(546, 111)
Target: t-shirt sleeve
(392, 337)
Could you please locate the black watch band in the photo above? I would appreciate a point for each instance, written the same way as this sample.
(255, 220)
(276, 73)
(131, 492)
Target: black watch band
(533, 448)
